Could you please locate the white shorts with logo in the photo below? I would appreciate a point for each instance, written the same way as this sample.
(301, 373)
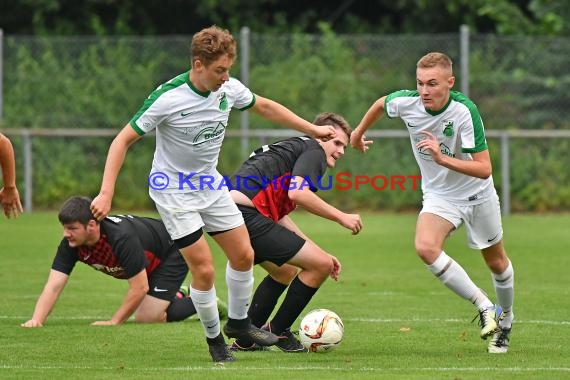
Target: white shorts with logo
(482, 221)
(185, 213)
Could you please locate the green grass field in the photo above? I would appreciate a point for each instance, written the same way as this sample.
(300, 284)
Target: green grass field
(399, 321)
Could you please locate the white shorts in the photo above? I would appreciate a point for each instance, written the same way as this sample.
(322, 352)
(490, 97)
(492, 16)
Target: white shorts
(482, 221)
(185, 213)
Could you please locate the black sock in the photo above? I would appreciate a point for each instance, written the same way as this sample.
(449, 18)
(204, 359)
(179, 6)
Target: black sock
(180, 309)
(297, 297)
(264, 300)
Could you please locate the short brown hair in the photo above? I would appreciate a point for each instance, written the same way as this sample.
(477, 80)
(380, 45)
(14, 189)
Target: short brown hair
(337, 121)
(211, 43)
(435, 59)
(76, 209)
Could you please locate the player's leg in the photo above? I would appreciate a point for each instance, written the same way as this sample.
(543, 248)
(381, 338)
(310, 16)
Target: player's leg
(435, 222)
(164, 283)
(225, 223)
(485, 228)
(315, 266)
(239, 278)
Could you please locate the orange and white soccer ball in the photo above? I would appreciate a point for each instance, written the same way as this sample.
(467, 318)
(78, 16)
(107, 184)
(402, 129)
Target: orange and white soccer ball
(321, 330)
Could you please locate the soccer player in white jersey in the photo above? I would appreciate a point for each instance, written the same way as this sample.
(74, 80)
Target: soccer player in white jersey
(190, 115)
(448, 141)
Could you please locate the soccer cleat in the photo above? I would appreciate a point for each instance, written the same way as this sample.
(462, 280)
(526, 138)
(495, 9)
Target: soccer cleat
(287, 341)
(218, 349)
(235, 346)
(488, 320)
(499, 344)
(251, 333)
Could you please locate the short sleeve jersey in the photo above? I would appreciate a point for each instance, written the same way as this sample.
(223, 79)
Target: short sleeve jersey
(190, 127)
(128, 244)
(265, 177)
(459, 130)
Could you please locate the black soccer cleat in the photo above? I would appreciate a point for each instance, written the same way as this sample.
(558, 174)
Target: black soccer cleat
(249, 333)
(219, 351)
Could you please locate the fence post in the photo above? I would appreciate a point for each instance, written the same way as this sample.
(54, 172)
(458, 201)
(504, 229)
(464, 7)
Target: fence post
(28, 184)
(506, 175)
(464, 58)
(244, 60)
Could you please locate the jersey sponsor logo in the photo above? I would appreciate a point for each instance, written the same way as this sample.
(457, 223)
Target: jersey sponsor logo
(209, 133)
(447, 128)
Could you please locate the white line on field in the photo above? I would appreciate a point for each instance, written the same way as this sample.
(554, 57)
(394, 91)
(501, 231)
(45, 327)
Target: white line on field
(299, 368)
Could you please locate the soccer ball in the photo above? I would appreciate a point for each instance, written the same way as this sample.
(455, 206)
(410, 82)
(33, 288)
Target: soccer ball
(321, 330)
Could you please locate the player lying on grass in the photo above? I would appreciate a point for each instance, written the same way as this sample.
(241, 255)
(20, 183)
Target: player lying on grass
(125, 247)
(293, 166)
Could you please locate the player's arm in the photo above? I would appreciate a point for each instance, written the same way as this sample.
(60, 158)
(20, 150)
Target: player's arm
(300, 193)
(52, 289)
(9, 196)
(479, 167)
(101, 205)
(374, 113)
(280, 114)
(288, 223)
(138, 288)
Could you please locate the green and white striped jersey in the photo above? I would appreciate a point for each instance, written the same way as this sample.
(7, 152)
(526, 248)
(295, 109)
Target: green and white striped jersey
(459, 130)
(190, 127)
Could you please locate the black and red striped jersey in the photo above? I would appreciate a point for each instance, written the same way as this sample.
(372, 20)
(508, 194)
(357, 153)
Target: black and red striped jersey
(128, 244)
(265, 176)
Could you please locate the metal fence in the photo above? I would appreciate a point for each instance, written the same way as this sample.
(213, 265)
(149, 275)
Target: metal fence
(72, 86)
(504, 139)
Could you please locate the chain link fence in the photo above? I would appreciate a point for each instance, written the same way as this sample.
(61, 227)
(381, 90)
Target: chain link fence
(519, 83)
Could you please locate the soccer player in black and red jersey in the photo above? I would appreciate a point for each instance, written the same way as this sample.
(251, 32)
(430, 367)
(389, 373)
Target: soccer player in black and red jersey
(126, 247)
(268, 186)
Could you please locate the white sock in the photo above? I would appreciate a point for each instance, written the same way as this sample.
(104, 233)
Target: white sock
(505, 289)
(455, 278)
(240, 288)
(207, 309)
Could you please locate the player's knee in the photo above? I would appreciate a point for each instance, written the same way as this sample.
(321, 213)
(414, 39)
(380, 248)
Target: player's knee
(242, 259)
(203, 273)
(427, 251)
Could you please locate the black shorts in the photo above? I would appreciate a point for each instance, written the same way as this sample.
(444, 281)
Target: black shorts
(168, 276)
(270, 240)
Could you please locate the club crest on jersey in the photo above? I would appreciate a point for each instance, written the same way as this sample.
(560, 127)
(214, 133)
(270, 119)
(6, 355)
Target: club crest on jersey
(223, 102)
(447, 126)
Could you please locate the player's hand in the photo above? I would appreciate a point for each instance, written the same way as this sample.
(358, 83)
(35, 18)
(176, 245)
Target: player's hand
(324, 132)
(101, 206)
(10, 199)
(31, 324)
(104, 323)
(335, 269)
(352, 222)
(430, 144)
(358, 141)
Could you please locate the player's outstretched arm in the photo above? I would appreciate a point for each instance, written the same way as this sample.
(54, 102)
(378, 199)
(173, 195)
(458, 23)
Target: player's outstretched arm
(280, 114)
(101, 205)
(375, 112)
(138, 288)
(301, 194)
(9, 196)
(52, 289)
